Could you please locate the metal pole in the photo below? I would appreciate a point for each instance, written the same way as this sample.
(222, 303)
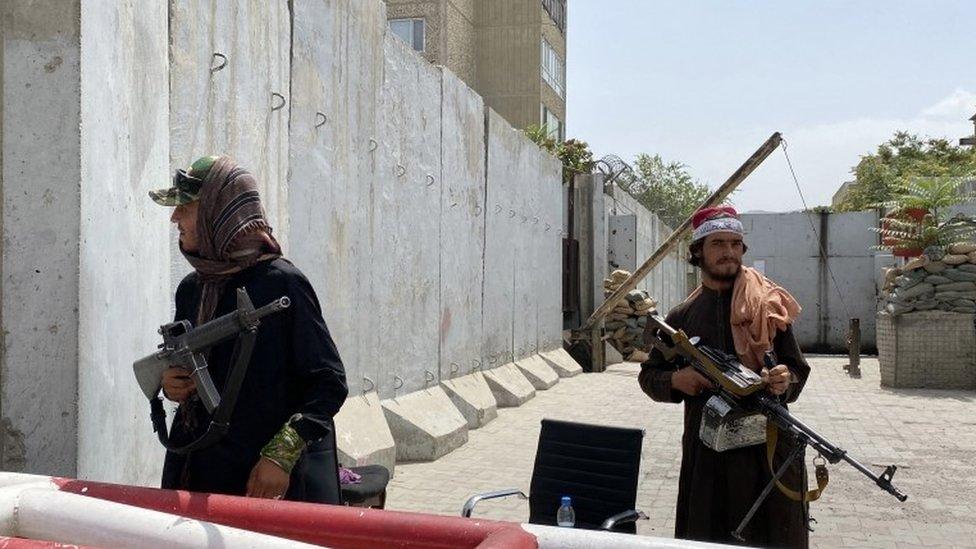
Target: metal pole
(854, 349)
(715, 199)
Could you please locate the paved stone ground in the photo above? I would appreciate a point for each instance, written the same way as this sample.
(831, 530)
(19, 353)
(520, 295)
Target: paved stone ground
(929, 434)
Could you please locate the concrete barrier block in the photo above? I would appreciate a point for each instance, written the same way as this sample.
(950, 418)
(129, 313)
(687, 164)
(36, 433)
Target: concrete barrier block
(473, 398)
(538, 372)
(425, 425)
(562, 363)
(509, 386)
(362, 435)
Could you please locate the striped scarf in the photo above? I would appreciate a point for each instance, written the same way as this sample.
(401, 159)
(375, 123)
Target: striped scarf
(233, 231)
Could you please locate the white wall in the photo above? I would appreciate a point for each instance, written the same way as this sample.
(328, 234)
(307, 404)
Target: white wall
(39, 112)
(417, 218)
(124, 256)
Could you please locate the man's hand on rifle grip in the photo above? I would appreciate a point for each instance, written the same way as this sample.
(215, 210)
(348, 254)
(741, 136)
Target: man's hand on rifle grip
(690, 382)
(776, 378)
(177, 384)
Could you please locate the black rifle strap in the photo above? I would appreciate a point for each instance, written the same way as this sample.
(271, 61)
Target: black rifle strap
(220, 422)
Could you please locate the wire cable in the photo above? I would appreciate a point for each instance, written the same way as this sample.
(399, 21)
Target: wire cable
(806, 209)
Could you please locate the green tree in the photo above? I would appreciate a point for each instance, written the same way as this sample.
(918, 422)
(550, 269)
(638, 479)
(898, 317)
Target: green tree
(901, 160)
(665, 188)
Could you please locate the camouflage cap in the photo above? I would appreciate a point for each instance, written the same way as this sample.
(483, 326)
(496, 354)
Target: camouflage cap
(186, 184)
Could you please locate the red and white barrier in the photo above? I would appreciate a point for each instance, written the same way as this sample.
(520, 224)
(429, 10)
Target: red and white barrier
(35, 508)
(56, 511)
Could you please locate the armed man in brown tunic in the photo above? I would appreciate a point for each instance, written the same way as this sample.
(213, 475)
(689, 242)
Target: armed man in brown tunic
(739, 311)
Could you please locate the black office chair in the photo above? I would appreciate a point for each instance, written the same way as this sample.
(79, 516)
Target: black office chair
(597, 466)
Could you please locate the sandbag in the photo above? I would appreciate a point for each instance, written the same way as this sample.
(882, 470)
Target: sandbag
(962, 248)
(918, 290)
(956, 287)
(972, 257)
(925, 305)
(917, 263)
(967, 267)
(895, 309)
(935, 267)
(937, 279)
(955, 259)
(966, 310)
(959, 275)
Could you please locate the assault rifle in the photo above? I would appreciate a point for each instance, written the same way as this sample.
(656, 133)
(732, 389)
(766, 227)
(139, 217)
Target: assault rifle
(186, 347)
(740, 389)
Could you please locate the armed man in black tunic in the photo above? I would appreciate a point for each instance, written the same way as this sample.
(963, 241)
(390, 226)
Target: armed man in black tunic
(281, 440)
(739, 311)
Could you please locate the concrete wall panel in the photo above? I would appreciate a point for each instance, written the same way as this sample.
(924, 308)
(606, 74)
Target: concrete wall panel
(337, 75)
(789, 247)
(232, 110)
(526, 199)
(462, 228)
(551, 270)
(406, 199)
(503, 148)
(39, 113)
(124, 256)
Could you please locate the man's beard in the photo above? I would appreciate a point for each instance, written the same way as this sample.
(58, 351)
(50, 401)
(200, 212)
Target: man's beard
(714, 274)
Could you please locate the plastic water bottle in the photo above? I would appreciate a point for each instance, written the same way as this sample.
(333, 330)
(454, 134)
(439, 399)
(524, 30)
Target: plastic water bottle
(565, 516)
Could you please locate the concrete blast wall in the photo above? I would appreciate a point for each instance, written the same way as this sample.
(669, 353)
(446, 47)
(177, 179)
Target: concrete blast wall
(830, 288)
(428, 227)
(667, 281)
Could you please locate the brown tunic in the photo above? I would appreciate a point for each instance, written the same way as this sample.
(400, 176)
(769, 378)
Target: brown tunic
(716, 489)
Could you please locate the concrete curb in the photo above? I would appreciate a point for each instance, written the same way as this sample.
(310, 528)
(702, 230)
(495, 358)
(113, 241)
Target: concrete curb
(562, 363)
(362, 435)
(425, 425)
(473, 398)
(509, 386)
(538, 372)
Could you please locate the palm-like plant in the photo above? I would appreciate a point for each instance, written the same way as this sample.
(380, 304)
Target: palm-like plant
(933, 196)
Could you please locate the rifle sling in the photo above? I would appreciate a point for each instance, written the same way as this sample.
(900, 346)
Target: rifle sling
(220, 422)
(823, 477)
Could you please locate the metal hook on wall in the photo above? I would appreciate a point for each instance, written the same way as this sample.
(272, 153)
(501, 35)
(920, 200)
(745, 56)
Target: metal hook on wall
(430, 180)
(223, 62)
(492, 358)
(371, 385)
(320, 116)
(400, 170)
(455, 368)
(498, 208)
(373, 145)
(477, 211)
(535, 220)
(548, 226)
(429, 377)
(476, 365)
(397, 382)
(280, 98)
(511, 214)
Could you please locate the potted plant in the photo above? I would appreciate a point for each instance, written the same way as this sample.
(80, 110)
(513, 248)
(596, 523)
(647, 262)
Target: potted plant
(917, 218)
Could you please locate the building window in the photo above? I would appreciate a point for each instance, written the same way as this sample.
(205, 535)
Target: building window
(553, 69)
(552, 124)
(412, 32)
(557, 12)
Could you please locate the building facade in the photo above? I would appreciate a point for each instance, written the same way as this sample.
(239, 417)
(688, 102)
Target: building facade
(512, 52)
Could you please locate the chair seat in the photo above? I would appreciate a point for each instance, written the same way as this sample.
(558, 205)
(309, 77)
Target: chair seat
(373, 483)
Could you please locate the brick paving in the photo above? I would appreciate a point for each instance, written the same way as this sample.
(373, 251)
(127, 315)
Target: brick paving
(929, 434)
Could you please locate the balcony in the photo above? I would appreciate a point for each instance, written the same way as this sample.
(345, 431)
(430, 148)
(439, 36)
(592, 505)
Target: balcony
(557, 12)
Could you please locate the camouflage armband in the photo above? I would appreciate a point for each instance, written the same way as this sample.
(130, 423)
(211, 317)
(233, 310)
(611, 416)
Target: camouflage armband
(285, 448)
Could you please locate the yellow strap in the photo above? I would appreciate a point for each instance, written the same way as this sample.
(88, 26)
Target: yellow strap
(823, 477)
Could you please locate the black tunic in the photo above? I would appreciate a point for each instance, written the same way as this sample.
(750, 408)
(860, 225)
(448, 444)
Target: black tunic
(716, 489)
(295, 368)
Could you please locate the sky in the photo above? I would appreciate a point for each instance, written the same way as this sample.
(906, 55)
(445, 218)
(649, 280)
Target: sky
(706, 82)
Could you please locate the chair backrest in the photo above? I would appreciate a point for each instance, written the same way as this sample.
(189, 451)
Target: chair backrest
(597, 466)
